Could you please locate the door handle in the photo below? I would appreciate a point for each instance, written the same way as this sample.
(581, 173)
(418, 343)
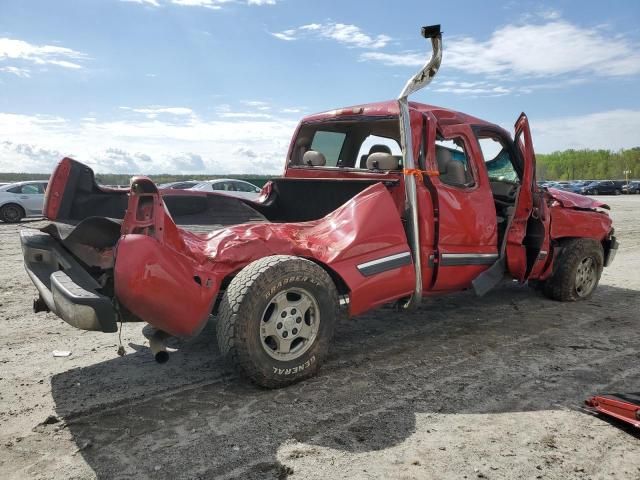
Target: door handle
(24, 197)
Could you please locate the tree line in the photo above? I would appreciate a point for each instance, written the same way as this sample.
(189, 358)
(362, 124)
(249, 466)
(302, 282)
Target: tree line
(589, 165)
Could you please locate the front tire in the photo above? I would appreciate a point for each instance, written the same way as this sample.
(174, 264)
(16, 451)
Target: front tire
(576, 271)
(12, 213)
(276, 320)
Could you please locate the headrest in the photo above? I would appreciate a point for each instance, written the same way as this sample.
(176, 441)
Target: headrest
(382, 161)
(379, 148)
(314, 159)
(443, 156)
(303, 142)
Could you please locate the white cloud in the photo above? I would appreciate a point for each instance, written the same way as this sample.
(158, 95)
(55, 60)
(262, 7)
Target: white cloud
(232, 143)
(18, 72)
(211, 4)
(245, 115)
(19, 50)
(257, 104)
(403, 59)
(155, 110)
(474, 89)
(556, 47)
(153, 3)
(613, 129)
(349, 35)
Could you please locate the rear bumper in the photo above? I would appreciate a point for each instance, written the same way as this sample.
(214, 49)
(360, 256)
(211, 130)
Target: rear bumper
(64, 285)
(610, 250)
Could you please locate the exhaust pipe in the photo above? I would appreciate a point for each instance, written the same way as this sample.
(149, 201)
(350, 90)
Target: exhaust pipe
(158, 345)
(415, 83)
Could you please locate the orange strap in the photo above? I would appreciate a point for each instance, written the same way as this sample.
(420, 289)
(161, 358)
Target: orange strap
(416, 172)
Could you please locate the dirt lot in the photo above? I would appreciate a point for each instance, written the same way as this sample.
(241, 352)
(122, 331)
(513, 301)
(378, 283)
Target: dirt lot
(466, 387)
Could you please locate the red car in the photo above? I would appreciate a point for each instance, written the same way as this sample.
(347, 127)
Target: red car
(378, 203)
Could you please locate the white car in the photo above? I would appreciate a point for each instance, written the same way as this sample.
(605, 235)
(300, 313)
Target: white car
(21, 199)
(229, 186)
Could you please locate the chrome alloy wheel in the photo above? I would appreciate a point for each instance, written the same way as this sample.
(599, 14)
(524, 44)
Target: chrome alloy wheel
(289, 324)
(586, 277)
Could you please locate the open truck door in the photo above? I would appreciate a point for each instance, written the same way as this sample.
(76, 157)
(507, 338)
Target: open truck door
(527, 239)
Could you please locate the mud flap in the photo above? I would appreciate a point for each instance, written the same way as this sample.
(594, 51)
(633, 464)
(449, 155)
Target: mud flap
(490, 278)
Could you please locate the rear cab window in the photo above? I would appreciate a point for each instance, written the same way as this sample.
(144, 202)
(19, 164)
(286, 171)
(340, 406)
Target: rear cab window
(330, 145)
(347, 143)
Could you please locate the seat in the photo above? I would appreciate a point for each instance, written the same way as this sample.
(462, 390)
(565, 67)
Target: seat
(382, 161)
(314, 159)
(451, 171)
(378, 148)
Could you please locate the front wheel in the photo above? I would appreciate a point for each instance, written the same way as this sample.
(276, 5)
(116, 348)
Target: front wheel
(276, 320)
(618, 192)
(576, 272)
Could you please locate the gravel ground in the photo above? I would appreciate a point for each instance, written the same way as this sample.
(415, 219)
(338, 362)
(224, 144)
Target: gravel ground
(465, 387)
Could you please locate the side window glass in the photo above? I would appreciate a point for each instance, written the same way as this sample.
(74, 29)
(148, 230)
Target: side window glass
(15, 189)
(217, 186)
(30, 189)
(329, 144)
(453, 163)
(244, 187)
(497, 160)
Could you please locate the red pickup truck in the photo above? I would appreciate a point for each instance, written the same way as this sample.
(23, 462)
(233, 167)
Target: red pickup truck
(378, 203)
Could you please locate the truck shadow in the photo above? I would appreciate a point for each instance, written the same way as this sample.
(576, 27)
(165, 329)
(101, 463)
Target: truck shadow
(510, 351)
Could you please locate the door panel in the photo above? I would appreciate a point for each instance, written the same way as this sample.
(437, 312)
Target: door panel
(528, 236)
(467, 236)
(32, 198)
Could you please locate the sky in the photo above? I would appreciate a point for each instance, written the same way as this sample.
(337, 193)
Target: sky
(218, 86)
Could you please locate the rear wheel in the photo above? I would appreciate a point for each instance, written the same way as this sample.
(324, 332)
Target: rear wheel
(12, 213)
(276, 320)
(576, 271)
(617, 192)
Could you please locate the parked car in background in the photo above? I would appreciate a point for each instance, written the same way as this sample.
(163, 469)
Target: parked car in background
(631, 187)
(183, 185)
(230, 186)
(602, 187)
(22, 199)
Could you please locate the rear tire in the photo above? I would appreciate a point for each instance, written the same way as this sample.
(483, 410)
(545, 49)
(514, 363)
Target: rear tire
(576, 271)
(12, 213)
(618, 192)
(276, 320)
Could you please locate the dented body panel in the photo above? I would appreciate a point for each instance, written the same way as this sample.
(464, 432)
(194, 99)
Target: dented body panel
(174, 277)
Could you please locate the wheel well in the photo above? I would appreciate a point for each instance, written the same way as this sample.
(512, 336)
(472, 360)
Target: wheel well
(558, 243)
(341, 285)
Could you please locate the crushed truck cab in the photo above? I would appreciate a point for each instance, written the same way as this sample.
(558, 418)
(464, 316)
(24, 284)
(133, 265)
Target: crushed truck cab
(378, 203)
